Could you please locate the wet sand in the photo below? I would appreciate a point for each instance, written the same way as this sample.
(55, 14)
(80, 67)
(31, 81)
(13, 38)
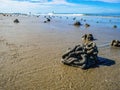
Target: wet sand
(30, 54)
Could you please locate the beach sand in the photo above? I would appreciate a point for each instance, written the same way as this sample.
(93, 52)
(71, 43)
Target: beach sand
(30, 54)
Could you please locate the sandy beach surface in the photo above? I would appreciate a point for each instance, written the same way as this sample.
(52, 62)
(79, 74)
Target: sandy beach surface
(30, 54)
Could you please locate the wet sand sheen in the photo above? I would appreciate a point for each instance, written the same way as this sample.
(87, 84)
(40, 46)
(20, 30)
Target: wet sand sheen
(31, 51)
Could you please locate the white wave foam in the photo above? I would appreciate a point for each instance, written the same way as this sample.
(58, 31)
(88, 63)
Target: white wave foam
(55, 14)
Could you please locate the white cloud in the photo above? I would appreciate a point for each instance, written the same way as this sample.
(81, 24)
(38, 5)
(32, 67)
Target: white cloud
(59, 1)
(36, 6)
(24, 7)
(109, 1)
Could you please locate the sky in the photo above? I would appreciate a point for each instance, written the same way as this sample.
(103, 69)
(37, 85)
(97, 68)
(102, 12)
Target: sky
(59, 6)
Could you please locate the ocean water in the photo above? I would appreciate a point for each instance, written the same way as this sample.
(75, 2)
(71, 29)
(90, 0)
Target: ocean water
(100, 20)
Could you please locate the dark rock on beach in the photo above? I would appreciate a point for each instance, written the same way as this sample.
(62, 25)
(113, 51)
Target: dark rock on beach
(47, 20)
(87, 37)
(77, 23)
(115, 43)
(74, 18)
(115, 26)
(84, 56)
(16, 21)
(81, 56)
(87, 25)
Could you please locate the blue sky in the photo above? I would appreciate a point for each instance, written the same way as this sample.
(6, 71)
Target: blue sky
(60, 6)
